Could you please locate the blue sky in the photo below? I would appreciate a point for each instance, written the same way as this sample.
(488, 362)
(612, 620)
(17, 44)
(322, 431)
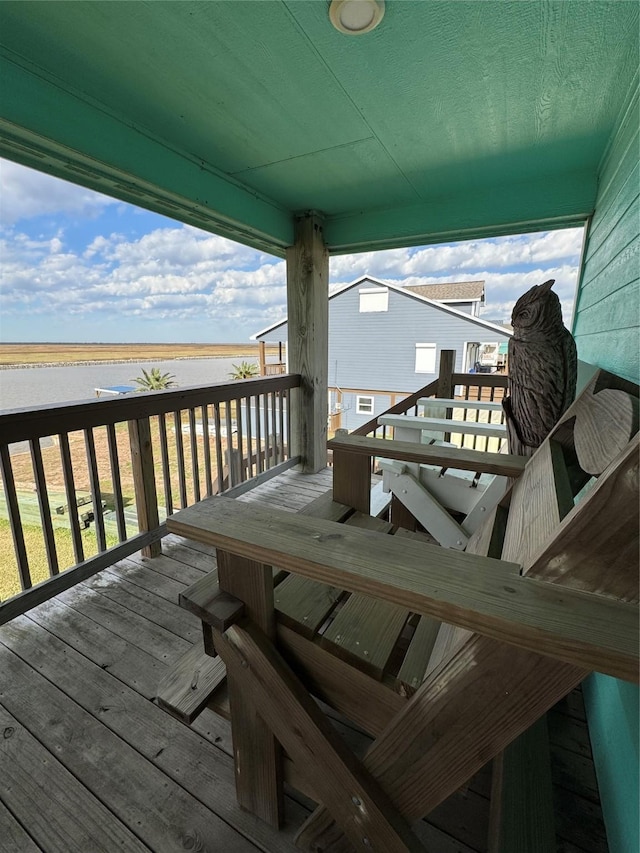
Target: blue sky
(79, 266)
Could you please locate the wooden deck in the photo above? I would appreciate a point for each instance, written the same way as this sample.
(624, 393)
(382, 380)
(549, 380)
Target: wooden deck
(88, 762)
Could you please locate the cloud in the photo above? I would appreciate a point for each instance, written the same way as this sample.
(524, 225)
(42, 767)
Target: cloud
(216, 288)
(27, 193)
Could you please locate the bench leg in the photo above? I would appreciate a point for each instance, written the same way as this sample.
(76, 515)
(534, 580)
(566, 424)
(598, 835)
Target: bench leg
(257, 754)
(359, 805)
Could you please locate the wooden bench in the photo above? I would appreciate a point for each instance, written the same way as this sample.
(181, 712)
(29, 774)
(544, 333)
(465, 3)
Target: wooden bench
(517, 633)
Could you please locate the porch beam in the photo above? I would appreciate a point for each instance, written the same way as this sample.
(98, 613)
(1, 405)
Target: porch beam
(55, 130)
(308, 341)
(553, 201)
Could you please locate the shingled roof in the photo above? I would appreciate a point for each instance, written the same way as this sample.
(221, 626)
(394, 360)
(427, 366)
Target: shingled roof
(457, 290)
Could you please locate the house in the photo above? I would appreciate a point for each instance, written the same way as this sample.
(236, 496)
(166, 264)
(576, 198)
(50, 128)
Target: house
(262, 122)
(385, 341)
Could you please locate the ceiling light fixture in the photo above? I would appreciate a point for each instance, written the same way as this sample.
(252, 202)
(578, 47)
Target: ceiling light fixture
(355, 17)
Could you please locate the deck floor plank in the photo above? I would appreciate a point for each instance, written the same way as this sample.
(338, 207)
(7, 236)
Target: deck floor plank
(202, 769)
(159, 642)
(147, 604)
(77, 820)
(13, 837)
(142, 797)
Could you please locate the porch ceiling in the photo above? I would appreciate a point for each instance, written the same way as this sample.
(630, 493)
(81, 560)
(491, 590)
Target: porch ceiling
(450, 120)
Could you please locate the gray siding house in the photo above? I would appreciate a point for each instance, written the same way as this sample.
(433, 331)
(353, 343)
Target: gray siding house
(385, 342)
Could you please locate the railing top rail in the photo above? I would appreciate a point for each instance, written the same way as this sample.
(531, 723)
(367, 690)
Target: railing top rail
(488, 380)
(398, 408)
(30, 423)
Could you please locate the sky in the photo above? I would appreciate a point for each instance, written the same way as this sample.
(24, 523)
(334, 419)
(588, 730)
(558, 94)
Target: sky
(79, 266)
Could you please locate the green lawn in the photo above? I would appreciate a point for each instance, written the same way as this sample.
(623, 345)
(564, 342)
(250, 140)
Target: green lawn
(9, 579)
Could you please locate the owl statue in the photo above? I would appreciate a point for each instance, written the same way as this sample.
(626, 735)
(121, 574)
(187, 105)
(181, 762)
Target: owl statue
(542, 369)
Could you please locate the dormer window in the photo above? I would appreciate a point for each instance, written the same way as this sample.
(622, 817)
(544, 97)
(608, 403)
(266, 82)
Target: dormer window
(374, 299)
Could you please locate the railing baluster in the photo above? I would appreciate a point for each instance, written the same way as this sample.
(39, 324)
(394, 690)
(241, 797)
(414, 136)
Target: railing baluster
(274, 427)
(219, 456)
(249, 438)
(96, 495)
(43, 504)
(281, 416)
(166, 470)
(206, 449)
(195, 468)
(240, 451)
(14, 517)
(230, 448)
(70, 491)
(288, 403)
(259, 459)
(114, 464)
(182, 484)
(267, 450)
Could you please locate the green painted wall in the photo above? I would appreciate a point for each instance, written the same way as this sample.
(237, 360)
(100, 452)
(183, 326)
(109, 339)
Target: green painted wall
(606, 331)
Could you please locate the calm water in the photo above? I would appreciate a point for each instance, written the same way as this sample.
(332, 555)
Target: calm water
(36, 386)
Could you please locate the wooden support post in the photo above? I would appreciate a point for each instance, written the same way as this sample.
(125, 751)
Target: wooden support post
(352, 478)
(308, 327)
(445, 386)
(445, 376)
(258, 758)
(144, 482)
(262, 358)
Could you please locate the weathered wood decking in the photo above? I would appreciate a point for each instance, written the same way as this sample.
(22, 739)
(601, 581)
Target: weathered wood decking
(89, 762)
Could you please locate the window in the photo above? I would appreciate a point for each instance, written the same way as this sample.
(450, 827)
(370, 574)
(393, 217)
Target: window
(425, 358)
(364, 405)
(374, 299)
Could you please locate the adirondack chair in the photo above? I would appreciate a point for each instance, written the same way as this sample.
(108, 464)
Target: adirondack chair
(546, 591)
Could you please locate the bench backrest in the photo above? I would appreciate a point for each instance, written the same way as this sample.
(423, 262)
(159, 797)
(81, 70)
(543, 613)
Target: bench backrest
(571, 517)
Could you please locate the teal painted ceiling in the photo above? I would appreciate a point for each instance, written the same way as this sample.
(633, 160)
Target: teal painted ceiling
(450, 120)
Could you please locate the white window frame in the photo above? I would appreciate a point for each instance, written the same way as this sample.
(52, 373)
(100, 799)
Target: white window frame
(373, 299)
(424, 351)
(368, 407)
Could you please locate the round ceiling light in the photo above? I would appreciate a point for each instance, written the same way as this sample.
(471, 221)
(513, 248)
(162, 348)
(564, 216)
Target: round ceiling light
(355, 17)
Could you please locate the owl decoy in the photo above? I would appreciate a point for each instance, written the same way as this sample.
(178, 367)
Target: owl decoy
(542, 369)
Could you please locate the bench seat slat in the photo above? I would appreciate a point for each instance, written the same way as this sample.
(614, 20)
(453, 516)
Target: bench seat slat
(365, 632)
(305, 604)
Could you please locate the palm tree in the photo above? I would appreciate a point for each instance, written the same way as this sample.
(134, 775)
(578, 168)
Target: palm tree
(244, 370)
(154, 380)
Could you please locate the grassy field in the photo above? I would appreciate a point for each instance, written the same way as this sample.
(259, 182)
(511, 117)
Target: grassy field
(9, 580)
(15, 354)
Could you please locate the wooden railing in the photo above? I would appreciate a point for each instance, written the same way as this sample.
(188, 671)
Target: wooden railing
(483, 387)
(92, 482)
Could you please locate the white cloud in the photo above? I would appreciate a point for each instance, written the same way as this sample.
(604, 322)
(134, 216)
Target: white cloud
(27, 193)
(178, 273)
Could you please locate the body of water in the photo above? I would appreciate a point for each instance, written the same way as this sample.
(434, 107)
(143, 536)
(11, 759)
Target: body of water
(37, 386)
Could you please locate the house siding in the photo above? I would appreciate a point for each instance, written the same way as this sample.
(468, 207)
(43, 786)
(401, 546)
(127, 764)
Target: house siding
(606, 332)
(375, 351)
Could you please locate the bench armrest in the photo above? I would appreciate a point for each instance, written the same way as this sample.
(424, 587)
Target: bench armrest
(502, 464)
